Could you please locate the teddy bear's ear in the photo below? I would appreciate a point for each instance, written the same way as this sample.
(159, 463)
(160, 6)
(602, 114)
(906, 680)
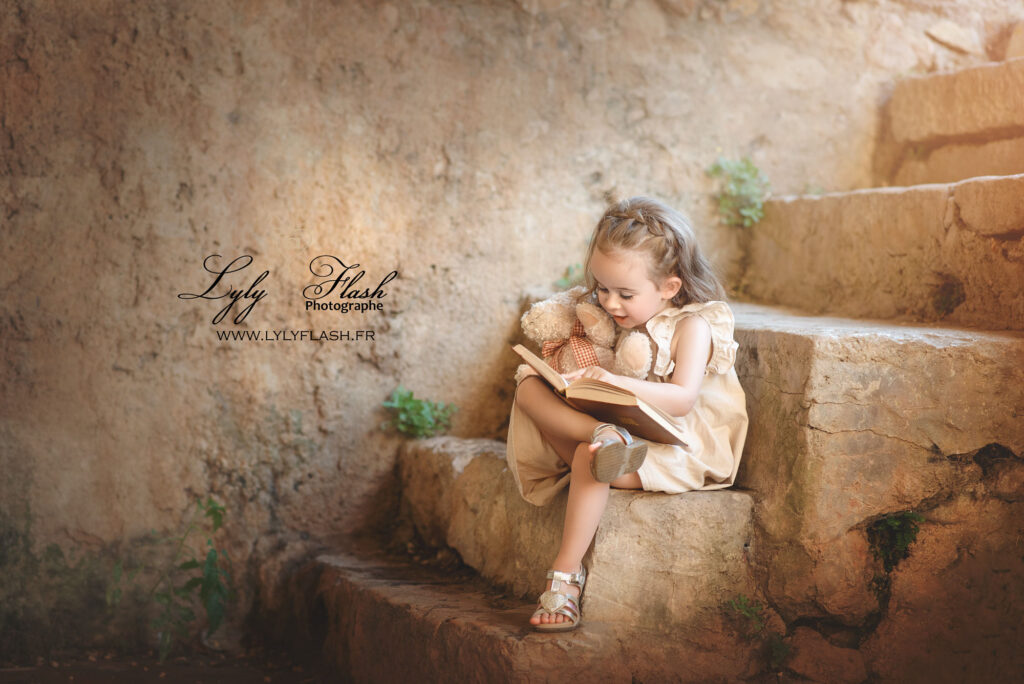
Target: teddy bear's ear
(551, 319)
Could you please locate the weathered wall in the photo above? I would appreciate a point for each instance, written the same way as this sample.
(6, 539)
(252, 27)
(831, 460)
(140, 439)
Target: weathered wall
(470, 146)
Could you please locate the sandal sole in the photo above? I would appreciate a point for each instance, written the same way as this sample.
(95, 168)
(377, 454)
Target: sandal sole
(555, 627)
(558, 627)
(612, 460)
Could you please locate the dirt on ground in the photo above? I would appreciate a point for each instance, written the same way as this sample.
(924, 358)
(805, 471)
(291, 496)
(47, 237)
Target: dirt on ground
(101, 668)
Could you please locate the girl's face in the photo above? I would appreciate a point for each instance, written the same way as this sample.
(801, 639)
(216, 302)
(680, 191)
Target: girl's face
(625, 289)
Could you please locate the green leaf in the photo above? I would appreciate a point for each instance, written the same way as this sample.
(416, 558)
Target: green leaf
(744, 189)
(188, 565)
(417, 417)
(215, 512)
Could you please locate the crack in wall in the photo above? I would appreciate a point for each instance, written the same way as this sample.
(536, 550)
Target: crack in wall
(777, 387)
(873, 432)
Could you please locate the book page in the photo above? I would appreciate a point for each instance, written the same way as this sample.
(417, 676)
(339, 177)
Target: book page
(597, 389)
(538, 364)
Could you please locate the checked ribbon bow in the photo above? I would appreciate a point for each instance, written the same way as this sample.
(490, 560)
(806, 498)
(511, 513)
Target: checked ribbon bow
(582, 348)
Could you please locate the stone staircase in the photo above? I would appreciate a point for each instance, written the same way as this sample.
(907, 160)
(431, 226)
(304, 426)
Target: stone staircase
(857, 423)
(947, 127)
(950, 254)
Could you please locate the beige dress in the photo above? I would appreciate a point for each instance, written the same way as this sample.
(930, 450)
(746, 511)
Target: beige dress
(715, 427)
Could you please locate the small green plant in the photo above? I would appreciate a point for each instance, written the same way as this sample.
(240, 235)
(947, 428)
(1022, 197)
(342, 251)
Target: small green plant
(741, 200)
(751, 611)
(573, 276)
(756, 628)
(183, 580)
(417, 417)
(890, 537)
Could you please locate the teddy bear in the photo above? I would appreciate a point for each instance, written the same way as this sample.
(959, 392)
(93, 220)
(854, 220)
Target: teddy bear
(574, 333)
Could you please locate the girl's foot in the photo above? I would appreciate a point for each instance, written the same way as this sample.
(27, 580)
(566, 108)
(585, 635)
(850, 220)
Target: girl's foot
(544, 618)
(615, 453)
(603, 433)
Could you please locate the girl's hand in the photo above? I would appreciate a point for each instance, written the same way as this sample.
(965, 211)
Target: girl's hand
(595, 372)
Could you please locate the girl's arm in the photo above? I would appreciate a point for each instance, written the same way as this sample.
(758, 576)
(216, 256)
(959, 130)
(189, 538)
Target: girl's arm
(676, 397)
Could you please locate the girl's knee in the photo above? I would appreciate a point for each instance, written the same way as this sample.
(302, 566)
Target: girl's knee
(581, 459)
(524, 391)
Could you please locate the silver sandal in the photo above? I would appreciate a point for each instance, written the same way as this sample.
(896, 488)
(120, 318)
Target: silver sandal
(613, 459)
(554, 602)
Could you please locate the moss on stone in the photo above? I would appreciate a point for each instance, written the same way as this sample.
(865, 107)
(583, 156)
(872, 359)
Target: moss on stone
(52, 599)
(891, 536)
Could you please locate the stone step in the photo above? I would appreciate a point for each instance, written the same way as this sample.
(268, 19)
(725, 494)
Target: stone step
(853, 421)
(950, 163)
(974, 102)
(948, 127)
(393, 621)
(659, 562)
(951, 253)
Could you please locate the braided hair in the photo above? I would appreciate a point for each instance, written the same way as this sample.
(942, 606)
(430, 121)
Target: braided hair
(666, 238)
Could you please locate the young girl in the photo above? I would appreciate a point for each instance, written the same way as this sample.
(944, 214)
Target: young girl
(648, 272)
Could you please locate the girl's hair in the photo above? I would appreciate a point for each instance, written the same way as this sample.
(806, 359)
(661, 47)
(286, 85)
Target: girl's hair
(665, 238)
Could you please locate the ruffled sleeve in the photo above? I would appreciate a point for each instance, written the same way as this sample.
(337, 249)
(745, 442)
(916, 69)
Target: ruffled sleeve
(719, 317)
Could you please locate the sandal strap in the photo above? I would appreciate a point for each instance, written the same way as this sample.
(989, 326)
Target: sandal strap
(570, 609)
(627, 438)
(577, 579)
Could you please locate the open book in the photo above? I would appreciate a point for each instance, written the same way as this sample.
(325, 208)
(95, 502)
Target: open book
(608, 403)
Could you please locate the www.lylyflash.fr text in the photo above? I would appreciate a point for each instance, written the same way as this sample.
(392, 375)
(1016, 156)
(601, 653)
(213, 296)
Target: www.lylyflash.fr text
(296, 335)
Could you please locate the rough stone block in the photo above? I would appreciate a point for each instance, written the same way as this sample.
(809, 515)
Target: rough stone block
(993, 207)
(661, 560)
(427, 470)
(952, 163)
(978, 101)
(814, 658)
(388, 621)
(852, 421)
(951, 253)
(1015, 45)
(658, 562)
(956, 612)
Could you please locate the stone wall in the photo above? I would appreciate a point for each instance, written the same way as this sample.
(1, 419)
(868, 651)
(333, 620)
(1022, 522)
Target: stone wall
(469, 146)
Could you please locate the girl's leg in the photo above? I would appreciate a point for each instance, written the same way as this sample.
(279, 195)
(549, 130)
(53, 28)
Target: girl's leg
(587, 501)
(563, 426)
(569, 432)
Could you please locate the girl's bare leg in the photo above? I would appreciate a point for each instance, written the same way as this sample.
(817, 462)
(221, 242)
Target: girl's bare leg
(569, 431)
(587, 501)
(563, 426)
